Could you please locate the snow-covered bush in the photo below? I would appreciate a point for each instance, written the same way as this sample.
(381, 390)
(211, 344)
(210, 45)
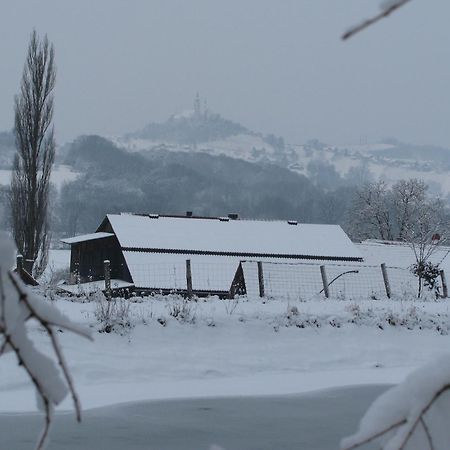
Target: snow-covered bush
(414, 415)
(112, 314)
(231, 304)
(17, 306)
(381, 317)
(181, 309)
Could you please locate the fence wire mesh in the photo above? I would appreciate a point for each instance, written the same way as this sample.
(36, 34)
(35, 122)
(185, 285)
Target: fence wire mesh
(296, 280)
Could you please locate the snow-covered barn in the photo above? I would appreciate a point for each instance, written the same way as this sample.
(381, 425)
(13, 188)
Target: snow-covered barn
(148, 252)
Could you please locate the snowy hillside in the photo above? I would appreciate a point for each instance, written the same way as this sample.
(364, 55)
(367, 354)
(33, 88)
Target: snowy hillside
(248, 147)
(204, 132)
(200, 130)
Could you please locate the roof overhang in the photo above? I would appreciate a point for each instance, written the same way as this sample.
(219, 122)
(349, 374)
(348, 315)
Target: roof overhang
(86, 237)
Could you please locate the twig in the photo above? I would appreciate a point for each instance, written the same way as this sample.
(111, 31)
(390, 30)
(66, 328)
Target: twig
(419, 418)
(367, 23)
(427, 433)
(33, 313)
(376, 435)
(39, 389)
(65, 370)
(59, 355)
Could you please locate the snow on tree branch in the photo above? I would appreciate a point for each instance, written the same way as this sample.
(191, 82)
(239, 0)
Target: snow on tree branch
(17, 306)
(413, 415)
(387, 8)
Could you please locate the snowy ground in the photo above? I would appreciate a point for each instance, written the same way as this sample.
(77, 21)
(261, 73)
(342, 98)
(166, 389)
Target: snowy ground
(234, 423)
(248, 347)
(243, 364)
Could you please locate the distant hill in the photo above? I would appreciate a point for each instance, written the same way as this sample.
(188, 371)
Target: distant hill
(115, 180)
(328, 166)
(200, 130)
(190, 128)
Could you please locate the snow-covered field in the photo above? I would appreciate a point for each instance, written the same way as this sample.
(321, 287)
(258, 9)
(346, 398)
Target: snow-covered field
(232, 348)
(172, 366)
(60, 174)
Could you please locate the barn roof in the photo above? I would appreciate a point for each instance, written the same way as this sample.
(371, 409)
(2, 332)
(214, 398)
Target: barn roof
(223, 237)
(86, 237)
(398, 254)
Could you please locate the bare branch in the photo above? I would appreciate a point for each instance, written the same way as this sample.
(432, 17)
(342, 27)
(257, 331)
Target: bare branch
(386, 11)
(427, 433)
(376, 435)
(17, 306)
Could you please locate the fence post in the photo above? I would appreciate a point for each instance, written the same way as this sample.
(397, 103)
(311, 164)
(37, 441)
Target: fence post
(387, 286)
(261, 279)
(189, 278)
(107, 270)
(324, 281)
(28, 265)
(19, 263)
(444, 284)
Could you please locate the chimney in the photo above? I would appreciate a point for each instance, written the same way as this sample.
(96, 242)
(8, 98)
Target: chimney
(233, 216)
(188, 213)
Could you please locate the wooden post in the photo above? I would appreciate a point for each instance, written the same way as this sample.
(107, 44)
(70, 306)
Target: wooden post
(19, 263)
(107, 269)
(324, 281)
(387, 286)
(189, 278)
(261, 279)
(28, 265)
(444, 284)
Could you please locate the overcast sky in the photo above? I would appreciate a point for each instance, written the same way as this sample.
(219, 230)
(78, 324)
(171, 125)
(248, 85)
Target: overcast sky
(276, 66)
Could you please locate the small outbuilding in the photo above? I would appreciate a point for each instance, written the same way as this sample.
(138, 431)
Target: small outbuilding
(199, 255)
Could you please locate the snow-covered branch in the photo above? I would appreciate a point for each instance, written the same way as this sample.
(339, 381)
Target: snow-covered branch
(17, 306)
(387, 8)
(412, 415)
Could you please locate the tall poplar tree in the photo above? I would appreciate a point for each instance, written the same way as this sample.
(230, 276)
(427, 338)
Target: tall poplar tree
(34, 135)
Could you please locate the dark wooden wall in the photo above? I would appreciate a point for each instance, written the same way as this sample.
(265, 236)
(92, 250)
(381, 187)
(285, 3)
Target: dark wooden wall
(86, 260)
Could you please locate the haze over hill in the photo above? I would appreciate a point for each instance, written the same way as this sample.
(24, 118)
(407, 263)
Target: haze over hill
(200, 130)
(197, 160)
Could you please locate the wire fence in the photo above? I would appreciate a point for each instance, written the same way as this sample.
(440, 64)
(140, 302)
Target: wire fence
(264, 278)
(306, 280)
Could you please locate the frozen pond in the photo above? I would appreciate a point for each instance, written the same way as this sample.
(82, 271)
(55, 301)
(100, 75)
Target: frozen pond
(315, 421)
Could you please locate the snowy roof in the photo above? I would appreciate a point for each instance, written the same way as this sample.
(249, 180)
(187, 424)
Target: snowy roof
(396, 254)
(224, 237)
(86, 237)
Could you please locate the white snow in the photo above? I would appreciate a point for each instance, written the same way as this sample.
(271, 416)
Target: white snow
(242, 146)
(240, 348)
(86, 237)
(406, 402)
(61, 174)
(237, 236)
(17, 306)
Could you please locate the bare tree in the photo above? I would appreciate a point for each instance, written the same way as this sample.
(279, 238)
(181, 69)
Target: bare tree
(427, 231)
(370, 215)
(409, 199)
(403, 213)
(35, 154)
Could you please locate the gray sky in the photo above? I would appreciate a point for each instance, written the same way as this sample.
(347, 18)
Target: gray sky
(274, 65)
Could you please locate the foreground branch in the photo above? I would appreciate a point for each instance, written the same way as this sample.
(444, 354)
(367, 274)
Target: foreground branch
(386, 11)
(17, 306)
